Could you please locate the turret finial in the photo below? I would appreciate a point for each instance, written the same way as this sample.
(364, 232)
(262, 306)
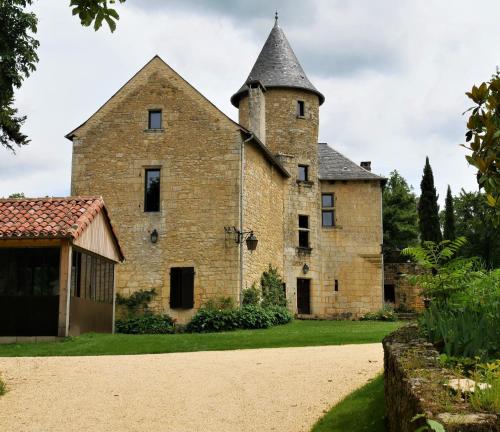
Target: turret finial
(276, 17)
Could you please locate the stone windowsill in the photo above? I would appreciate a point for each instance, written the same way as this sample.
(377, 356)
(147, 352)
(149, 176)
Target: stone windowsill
(334, 227)
(305, 183)
(154, 130)
(304, 250)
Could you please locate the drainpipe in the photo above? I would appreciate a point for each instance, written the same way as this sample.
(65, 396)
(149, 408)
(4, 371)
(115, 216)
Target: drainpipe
(240, 244)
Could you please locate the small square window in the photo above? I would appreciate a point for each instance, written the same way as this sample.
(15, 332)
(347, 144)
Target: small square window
(327, 218)
(301, 109)
(327, 200)
(304, 239)
(303, 174)
(154, 119)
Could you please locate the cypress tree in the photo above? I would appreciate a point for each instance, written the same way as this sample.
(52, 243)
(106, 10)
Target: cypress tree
(449, 217)
(428, 209)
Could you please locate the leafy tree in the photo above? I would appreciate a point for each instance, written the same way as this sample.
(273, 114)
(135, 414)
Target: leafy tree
(18, 57)
(475, 219)
(428, 209)
(17, 195)
(399, 214)
(483, 138)
(272, 287)
(449, 217)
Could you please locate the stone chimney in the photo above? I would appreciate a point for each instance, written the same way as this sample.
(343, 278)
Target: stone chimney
(257, 110)
(367, 165)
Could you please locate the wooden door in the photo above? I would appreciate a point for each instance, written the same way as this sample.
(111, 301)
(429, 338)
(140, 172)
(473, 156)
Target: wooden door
(304, 296)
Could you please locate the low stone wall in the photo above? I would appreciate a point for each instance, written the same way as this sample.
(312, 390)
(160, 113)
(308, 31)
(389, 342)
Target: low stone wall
(414, 380)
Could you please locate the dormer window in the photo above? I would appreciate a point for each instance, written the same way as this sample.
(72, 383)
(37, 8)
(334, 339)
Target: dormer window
(154, 121)
(301, 109)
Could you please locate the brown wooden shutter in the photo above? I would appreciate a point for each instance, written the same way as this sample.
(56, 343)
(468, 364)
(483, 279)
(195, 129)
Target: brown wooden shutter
(188, 287)
(175, 288)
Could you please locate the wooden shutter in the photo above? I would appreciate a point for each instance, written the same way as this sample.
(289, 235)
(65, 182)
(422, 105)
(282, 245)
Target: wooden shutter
(175, 287)
(187, 287)
(182, 287)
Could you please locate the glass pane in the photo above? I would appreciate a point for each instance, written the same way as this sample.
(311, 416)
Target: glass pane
(303, 221)
(304, 239)
(154, 119)
(152, 191)
(328, 218)
(327, 200)
(302, 173)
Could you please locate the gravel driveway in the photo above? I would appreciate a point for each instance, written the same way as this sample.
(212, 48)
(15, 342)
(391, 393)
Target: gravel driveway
(282, 389)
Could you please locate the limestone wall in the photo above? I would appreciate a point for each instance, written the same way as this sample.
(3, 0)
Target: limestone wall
(406, 294)
(263, 213)
(351, 251)
(198, 152)
(413, 383)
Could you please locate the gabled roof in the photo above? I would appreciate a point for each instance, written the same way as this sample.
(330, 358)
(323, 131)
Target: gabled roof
(50, 218)
(277, 66)
(335, 166)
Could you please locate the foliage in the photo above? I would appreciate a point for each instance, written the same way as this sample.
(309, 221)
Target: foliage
(475, 219)
(17, 195)
(297, 333)
(220, 303)
(428, 209)
(251, 296)
(487, 399)
(430, 425)
(465, 324)
(399, 214)
(279, 314)
(148, 323)
(386, 313)
(137, 301)
(361, 411)
(95, 11)
(18, 59)
(445, 274)
(209, 319)
(449, 217)
(483, 138)
(272, 289)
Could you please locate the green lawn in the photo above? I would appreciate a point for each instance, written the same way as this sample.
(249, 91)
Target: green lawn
(297, 333)
(361, 411)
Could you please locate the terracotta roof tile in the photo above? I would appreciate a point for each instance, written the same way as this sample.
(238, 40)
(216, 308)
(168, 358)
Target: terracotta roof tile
(47, 217)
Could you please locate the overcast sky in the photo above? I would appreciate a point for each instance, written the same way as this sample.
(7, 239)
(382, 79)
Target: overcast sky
(393, 72)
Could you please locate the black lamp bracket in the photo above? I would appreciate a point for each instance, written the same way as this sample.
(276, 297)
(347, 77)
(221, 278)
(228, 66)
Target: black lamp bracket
(236, 234)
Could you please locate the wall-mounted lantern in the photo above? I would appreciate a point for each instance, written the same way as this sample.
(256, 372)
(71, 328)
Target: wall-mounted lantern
(240, 236)
(154, 236)
(305, 269)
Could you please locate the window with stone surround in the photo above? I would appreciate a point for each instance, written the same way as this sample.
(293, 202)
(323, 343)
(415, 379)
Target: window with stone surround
(301, 109)
(154, 119)
(328, 209)
(303, 231)
(303, 173)
(152, 190)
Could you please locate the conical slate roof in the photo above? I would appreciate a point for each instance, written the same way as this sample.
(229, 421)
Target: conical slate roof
(277, 66)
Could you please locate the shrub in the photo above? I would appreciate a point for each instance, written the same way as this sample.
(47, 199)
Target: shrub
(137, 302)
(280, 314)
(254, 317)
(213, 320)
(219, 303)
(251, 296)
(387, 313)
(272, 285)
(146, 324)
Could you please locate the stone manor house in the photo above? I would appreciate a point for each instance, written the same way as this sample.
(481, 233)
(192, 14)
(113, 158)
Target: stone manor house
(190, 192)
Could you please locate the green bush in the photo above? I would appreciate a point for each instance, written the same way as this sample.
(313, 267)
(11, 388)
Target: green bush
(387, 313)
(246, 317)
(220, 303)
(272, 286)
(251, 296)
(213, 320)
(146, 324)
(280, 314)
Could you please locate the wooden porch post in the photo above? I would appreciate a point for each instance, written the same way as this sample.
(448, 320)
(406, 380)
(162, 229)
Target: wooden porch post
(114, 298)
(64, 288)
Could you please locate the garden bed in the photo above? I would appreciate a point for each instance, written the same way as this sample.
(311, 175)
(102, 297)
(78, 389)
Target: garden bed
(414, 381)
